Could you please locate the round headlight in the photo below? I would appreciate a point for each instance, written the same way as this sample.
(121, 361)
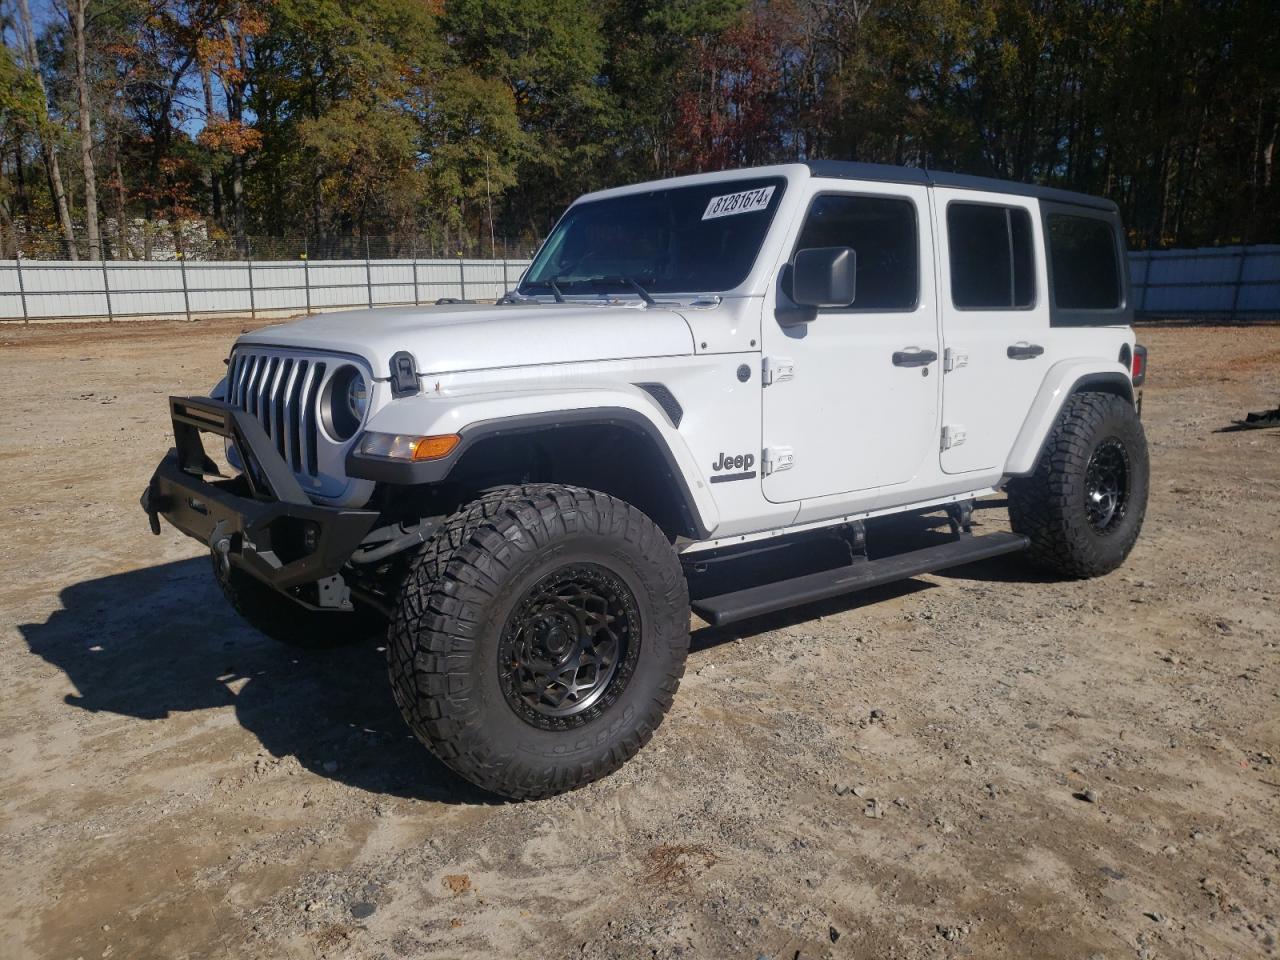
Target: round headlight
(344, 403)
(358, 397)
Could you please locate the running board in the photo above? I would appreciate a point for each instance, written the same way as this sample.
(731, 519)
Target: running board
(860, 575)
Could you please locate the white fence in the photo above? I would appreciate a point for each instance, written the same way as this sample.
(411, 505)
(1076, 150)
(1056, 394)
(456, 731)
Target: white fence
(45, 289)
(1218, 282)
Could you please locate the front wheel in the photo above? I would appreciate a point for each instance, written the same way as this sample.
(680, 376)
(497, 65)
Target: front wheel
(1084, 505)
(539, 638)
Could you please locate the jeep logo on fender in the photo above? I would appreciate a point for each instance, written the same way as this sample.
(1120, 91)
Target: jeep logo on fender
(742, 463)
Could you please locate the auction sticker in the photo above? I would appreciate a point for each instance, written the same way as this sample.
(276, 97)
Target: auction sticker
(744, 202)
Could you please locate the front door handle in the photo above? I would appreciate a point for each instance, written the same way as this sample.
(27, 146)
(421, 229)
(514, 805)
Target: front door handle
(1024, 351)
(913, 357)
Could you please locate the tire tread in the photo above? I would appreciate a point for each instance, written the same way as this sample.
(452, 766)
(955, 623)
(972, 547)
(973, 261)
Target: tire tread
(1044, 506)
(434, 630)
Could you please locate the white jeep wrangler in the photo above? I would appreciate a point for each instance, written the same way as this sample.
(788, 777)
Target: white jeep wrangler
(705, 393)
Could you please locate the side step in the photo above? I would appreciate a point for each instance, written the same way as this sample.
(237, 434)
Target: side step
(862, 574)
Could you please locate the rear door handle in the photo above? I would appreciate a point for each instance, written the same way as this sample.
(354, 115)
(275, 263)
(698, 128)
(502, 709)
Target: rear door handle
(1024, 351)
(913, 357)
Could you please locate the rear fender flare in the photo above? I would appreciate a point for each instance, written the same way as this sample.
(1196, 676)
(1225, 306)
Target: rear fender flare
(1062, 380)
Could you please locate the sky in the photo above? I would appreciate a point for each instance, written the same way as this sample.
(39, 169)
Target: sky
(46, 12)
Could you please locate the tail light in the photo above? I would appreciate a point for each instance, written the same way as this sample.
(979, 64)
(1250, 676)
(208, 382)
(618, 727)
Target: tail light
(1138, 371)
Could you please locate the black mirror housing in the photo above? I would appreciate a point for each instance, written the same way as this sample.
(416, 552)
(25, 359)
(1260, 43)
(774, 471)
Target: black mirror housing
(824, 276)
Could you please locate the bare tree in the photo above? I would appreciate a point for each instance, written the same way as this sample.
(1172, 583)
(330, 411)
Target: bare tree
(210, 112)
(48, 148)
(235, 83)
(75, 10)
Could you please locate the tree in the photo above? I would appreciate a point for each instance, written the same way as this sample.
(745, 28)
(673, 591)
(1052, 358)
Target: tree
(463, 119)
(224, 52)
(549, 54)
(76, 17)
(46, 131)
(473, 145)
(728, 114)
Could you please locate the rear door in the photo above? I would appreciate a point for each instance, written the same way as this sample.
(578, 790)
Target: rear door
(855, 405)
(995, 322)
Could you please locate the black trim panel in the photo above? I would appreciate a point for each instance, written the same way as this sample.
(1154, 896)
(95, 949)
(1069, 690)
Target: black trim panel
(408, 473)
(666, 400)
(887, 173)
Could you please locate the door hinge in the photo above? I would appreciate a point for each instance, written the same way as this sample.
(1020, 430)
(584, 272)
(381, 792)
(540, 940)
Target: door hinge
(776, 369)
(953, 359)
(953, 434)
(776, 459)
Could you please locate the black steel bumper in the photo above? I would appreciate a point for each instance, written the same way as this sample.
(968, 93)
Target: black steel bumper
(262, 521)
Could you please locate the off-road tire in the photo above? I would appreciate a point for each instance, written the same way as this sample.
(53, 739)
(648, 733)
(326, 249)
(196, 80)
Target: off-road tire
(1052, 505)
(272, 613)
(464, 591)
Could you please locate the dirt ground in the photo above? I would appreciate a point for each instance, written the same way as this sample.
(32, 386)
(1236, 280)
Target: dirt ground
(900, 774)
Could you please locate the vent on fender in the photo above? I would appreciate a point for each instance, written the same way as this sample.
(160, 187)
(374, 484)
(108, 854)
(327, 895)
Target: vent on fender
(666, 400)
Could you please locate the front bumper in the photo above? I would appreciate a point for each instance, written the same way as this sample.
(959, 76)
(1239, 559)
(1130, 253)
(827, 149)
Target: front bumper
(261, 522)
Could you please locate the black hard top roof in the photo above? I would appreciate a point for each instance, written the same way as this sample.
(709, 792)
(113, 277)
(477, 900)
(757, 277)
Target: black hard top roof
(886, 173)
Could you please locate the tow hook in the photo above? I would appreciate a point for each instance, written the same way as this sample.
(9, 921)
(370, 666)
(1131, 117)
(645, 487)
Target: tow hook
(151, 505)
(220, 544)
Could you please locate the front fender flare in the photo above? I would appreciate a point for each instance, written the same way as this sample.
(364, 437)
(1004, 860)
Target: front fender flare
(1062, 380)
(486, 417)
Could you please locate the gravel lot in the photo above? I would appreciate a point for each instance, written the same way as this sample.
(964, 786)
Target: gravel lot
(979, 764)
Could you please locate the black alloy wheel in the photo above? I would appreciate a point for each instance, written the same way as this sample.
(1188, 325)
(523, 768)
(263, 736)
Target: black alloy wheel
(1106, 486)
(570, 647)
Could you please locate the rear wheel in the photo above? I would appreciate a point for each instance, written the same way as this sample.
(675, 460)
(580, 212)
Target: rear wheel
(1084, 505)
(540, 638)
(272, 613)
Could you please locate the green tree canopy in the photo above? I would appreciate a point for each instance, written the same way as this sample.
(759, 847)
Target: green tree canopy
(466, 121)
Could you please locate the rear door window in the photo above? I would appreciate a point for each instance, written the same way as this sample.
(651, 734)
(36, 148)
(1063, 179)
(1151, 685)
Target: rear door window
(992, 257)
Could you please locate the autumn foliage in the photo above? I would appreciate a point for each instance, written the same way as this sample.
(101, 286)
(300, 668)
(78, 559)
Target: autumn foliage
(471, 120)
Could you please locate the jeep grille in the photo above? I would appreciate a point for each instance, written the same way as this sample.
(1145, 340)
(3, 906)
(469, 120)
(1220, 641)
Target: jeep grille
(282, 390)
(281, 393)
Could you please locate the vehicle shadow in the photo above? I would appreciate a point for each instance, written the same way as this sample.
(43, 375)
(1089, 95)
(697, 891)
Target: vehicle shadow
(162, 640)
(159, 641)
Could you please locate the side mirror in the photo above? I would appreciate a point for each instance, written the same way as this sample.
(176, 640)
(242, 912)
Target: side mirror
(824, 276)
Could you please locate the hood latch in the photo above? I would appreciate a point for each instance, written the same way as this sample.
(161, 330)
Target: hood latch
(404, 374)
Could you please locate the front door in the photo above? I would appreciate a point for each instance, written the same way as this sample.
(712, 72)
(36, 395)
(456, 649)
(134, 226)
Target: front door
(853, 404)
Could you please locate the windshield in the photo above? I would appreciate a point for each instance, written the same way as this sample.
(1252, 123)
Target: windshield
(698, 239)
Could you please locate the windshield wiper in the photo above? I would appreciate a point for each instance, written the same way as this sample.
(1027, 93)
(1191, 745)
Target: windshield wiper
(551, 285)
(640, 291)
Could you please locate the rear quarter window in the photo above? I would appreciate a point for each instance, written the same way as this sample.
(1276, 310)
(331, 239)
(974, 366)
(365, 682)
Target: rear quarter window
(1084, 262)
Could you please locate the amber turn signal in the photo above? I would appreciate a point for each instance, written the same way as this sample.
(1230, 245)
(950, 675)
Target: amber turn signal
(433, 448)
(395, 446)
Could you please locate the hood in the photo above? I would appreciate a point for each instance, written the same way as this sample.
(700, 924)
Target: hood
(457, 337)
